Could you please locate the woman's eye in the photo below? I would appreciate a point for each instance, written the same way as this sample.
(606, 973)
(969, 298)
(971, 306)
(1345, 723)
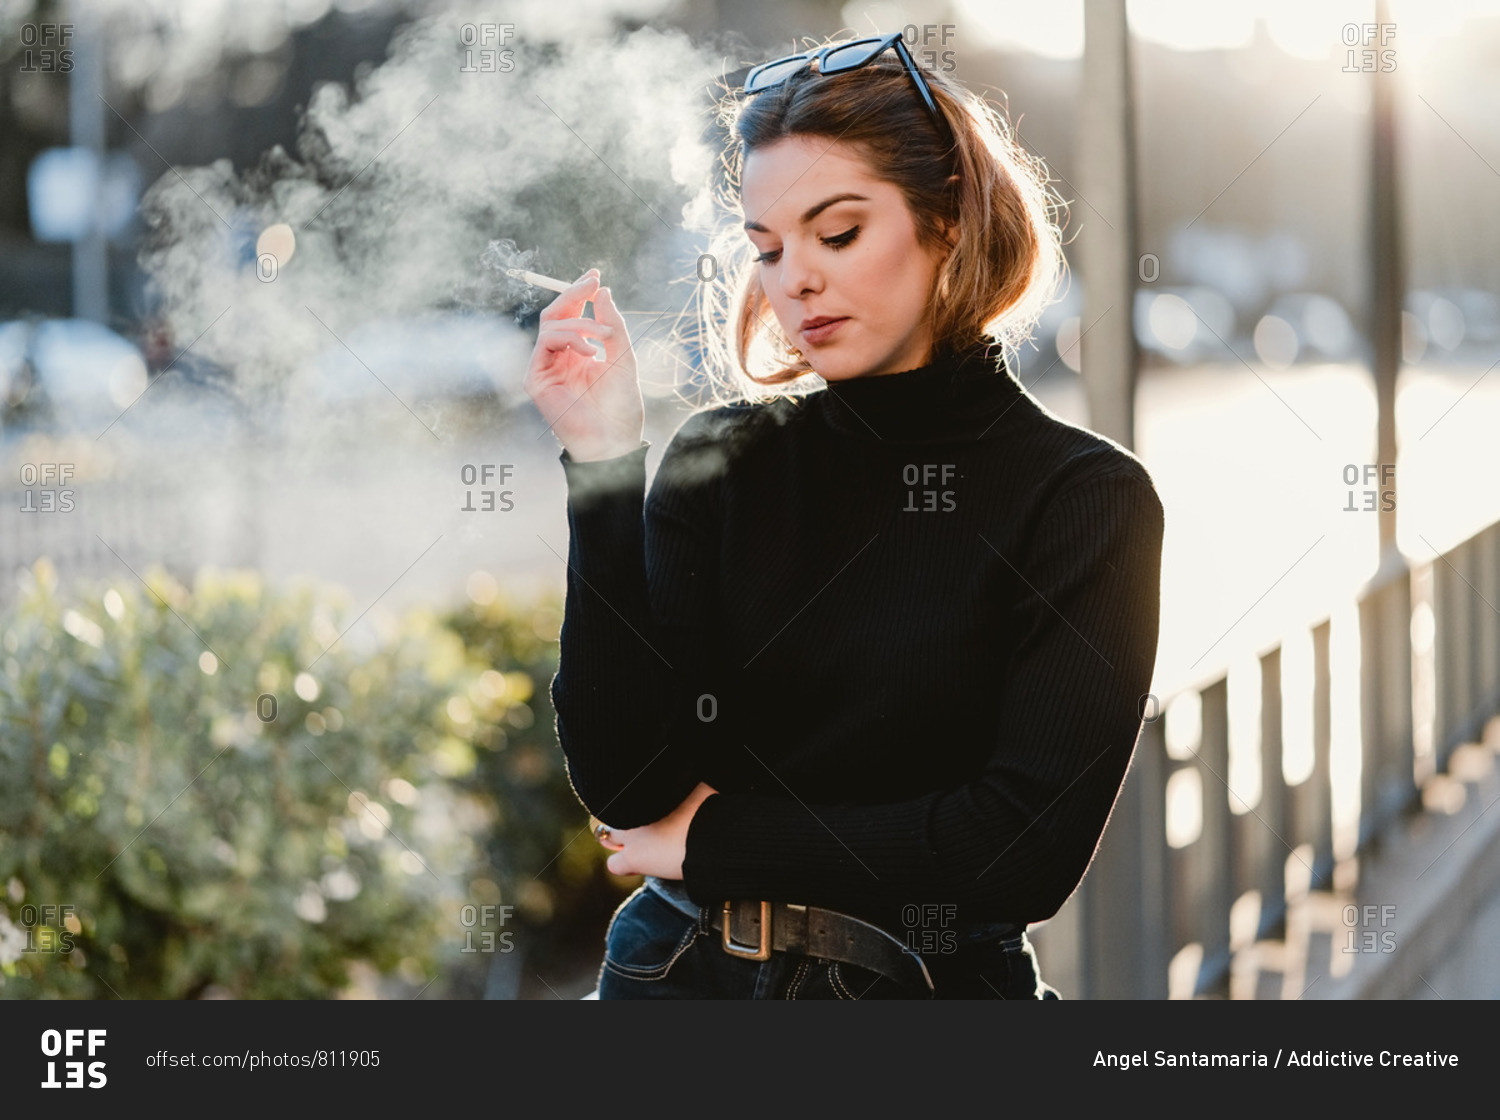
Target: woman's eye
(845, 238)
(835, 243)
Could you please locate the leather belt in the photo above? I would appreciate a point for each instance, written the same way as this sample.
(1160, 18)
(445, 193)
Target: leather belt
(752, 930)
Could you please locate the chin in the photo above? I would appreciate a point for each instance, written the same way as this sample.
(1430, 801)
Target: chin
(839, 363)
(835, 369)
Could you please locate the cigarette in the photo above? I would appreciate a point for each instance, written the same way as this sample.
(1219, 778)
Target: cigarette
(539, 280)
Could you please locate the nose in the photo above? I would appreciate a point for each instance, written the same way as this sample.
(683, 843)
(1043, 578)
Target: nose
(798, 277)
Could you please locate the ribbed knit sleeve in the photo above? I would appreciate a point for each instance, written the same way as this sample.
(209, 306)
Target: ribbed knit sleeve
(632, 653)
(1016, 838)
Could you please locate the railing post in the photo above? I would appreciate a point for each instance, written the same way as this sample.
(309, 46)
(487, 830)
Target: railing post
(1487, 582)
(1122, 901)
(1453, 662)
(1466, 558)
(1387, 768)
(1273, 802)
(1157, 896)
(1319, 803)
(1215, 855)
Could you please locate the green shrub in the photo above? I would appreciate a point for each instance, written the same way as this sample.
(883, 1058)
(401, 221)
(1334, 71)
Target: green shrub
(207, 850)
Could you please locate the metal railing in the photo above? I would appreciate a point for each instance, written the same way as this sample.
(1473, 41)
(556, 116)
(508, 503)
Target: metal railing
(1145, 900)
(144, 523)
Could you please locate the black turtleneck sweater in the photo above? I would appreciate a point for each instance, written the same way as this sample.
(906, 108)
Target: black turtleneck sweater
(902, 624)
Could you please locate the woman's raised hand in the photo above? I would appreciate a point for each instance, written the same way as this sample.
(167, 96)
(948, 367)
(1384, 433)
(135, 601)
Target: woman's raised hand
(592, 404)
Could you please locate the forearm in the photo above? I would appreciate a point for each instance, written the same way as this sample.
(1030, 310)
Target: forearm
(621, 688)
(978, 847)
(633, 649)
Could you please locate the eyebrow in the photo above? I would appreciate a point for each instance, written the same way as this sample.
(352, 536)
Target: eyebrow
(813, 211)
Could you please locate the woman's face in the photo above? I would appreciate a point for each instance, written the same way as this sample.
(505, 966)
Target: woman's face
(857, 259)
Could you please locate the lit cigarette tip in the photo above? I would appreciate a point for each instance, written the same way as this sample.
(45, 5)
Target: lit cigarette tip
(539, 280)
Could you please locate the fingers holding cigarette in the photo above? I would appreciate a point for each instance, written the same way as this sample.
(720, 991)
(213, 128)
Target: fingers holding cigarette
(562, 320)
(556, 380)
(564, 334)
(536, 279)
(562, 324)
(562, 287)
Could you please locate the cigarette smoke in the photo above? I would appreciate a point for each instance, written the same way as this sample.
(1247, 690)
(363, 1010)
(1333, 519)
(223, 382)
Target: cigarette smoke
(336, 288)
(410, 195)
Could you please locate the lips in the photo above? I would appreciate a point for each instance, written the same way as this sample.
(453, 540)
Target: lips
(809, 324)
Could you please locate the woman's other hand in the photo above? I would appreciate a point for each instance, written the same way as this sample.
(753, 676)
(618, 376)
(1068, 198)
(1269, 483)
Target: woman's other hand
(660, 847)
(592, 404)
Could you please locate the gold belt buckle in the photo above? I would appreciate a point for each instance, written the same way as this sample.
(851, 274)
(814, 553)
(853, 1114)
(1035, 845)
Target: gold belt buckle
(762, 952)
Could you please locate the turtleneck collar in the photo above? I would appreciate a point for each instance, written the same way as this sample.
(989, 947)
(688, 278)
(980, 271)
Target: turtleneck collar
(960, 394)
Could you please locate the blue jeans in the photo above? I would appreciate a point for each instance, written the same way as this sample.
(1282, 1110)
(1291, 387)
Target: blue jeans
(654, 950)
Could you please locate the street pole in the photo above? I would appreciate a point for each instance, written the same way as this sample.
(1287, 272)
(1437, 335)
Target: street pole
(86, 116)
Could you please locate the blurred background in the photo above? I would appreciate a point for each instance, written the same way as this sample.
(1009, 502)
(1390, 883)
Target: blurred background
(283, 539)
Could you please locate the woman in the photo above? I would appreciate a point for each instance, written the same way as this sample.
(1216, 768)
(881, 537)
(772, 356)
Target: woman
(856, 685)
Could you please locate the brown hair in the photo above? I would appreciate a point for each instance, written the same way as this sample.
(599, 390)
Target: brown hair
(1007, 262)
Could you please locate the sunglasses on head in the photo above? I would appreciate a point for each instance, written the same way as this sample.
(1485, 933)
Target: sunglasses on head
(840, 58)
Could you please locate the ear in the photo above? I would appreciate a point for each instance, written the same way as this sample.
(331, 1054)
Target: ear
(951, 231)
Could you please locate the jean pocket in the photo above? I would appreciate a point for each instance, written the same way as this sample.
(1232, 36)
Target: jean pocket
(646, 936)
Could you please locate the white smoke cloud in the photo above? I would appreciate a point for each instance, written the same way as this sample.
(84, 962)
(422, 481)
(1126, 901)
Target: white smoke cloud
(580, 140)
(584, 147)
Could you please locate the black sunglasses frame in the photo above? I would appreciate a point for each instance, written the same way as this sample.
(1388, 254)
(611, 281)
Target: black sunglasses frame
(886, 42)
